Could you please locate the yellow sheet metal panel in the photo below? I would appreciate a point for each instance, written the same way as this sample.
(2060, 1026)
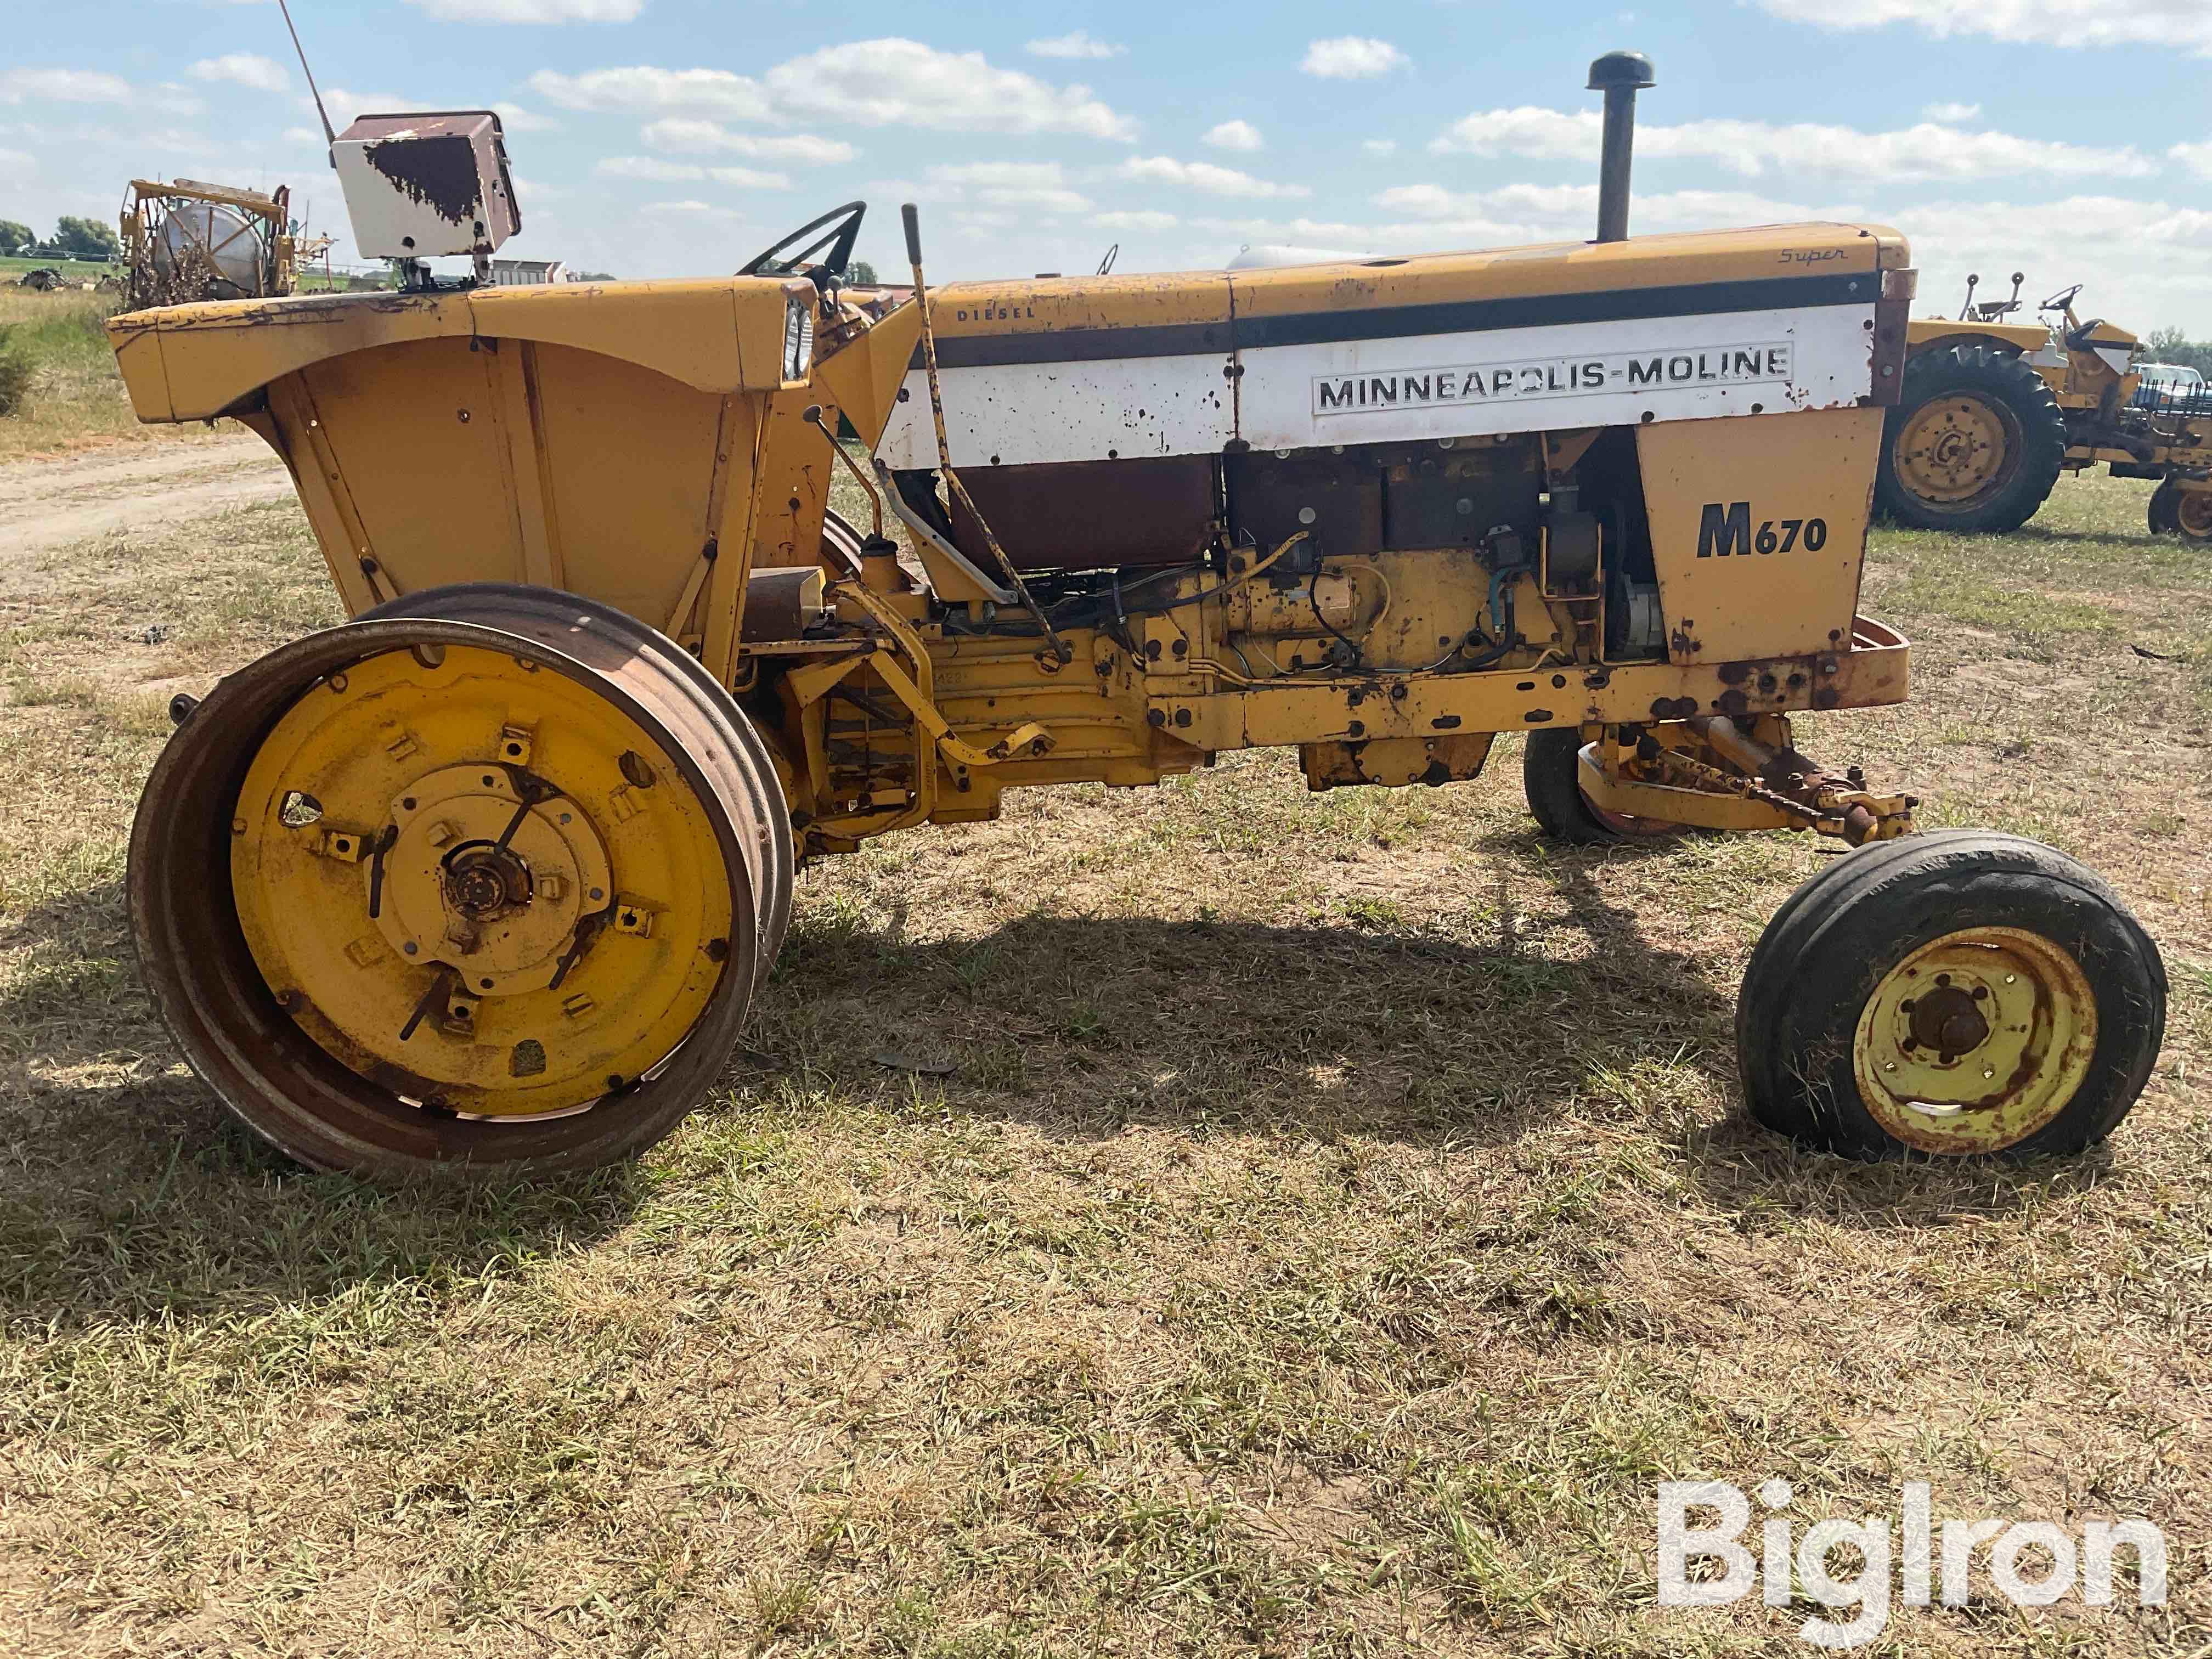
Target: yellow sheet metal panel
(1048, 305)
(633, 460)
(1757, 528)
(1560, 268)
(138, 344)
(413, 431)
(721, 335)
(1941, 332)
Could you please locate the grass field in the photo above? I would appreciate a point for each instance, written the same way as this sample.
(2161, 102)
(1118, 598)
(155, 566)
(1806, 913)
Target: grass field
(76, 400)
(1337, 1220)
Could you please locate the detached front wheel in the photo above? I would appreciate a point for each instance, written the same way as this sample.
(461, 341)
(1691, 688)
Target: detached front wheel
(1962, 994)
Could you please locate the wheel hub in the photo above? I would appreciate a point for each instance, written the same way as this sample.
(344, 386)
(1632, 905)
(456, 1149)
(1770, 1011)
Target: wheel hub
(1976, 1040)
(491, 870)
(2192, 513)
(1954, 450)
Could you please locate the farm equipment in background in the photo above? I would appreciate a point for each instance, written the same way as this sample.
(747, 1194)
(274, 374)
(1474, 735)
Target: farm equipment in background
(187, 241)
(1994, 411)
(488, 875)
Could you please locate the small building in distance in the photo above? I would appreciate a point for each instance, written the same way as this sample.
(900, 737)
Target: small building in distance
(526, 273)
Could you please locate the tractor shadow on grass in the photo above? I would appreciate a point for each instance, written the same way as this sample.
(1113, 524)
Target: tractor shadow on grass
(1082, 1026)
(127, 1190)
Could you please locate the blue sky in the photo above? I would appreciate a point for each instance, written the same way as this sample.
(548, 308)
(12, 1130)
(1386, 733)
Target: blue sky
(657, 137)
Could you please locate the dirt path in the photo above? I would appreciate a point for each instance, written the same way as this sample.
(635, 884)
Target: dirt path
(46, 504)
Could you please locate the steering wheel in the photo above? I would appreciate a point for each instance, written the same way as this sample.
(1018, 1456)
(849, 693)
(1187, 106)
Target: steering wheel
(2060, 302)
(779, 259)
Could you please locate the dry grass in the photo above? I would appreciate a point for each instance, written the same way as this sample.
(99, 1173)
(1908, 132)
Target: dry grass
(76, 400)
(1337, 1220)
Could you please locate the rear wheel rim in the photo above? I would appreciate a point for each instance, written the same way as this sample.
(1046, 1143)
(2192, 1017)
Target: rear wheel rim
(2192, 515)
(479, 884)
(1975, 1041)
(333, 1106)
(1956, 452)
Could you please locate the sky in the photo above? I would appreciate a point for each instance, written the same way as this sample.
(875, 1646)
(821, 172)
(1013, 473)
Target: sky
(679, 137)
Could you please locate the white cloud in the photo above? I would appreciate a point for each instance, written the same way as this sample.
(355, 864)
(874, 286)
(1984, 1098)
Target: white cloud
(1205, 176)
(903, 83)
(2197, 158)
(870, 83)
(1038, 184)
(1351, 57)
(1235, 135)
(1379, 146)
(749, 178)
(1078, 45)
(515, 119)
(654, 170)
(17, 162)
(531, 11)
(1952, 115)
(246, 69)
(62, 86)
(1752, 147)
(643, 89)
(347, 106)
(645, 167)
(691, 209)
(692, 135)
(2177, 23)
(1140, 219)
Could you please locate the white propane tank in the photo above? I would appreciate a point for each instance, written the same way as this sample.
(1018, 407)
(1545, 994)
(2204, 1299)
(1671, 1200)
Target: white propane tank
(230, 241)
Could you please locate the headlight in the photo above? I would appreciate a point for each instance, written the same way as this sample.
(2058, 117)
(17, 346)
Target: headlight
(798, 337)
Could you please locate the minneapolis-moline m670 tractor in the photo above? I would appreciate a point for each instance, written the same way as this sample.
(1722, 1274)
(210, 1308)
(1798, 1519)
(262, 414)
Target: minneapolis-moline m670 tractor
(1993, 411)
(488, 874)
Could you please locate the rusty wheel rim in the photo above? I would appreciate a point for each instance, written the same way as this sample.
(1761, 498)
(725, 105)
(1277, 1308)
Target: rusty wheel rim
(1956, 452)
(1975, 1041)
(2192, 515)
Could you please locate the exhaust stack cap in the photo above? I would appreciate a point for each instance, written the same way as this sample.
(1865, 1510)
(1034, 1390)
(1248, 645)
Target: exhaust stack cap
(1628, 69)
(1620, 75)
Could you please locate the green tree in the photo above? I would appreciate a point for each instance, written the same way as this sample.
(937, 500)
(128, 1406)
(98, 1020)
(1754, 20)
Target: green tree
(14, 236)
(861, 273)
(2171, 345)
(86, 239)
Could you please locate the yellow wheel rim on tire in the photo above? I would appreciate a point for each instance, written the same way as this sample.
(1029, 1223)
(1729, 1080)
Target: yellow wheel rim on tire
(1953, 450)
(1975, 1041)
(2192, 515)
(478, 884)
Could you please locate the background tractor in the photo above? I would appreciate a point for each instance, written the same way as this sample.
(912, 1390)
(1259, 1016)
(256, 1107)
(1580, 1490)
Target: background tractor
(488, 875)
(1994, 411)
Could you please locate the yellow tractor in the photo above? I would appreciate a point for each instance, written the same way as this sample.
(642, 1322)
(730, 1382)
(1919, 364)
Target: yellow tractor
(488, 876)
(1993, 411)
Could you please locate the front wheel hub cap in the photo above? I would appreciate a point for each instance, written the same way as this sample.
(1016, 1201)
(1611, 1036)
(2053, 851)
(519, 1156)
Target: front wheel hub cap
(1975, 1041)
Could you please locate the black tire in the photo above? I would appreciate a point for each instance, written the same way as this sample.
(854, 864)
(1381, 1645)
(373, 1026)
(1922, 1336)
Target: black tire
(1550, 777)
(2035, 428)
(2164, 518)
(1830, 948)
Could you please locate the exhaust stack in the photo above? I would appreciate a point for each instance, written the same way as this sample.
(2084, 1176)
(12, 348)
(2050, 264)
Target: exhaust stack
(1620, 75)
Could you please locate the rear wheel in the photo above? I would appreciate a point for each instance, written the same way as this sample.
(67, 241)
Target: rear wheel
(1975, 443)
(1962, 994)
(487, 878)
(1551, 776)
